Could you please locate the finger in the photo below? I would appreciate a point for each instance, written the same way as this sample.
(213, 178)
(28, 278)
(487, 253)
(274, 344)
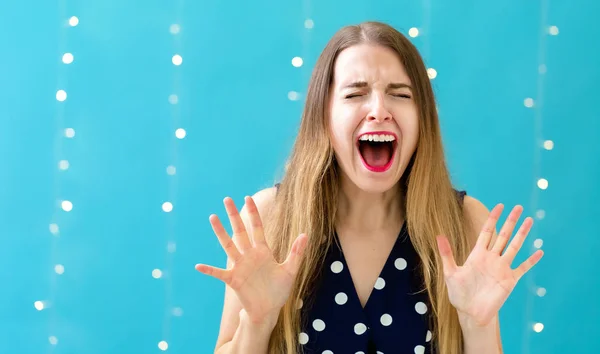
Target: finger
(237, 225)
(489, 227)
(515, 245)
(255, 221)
(445, 250)
(507, 229)
(214, 272)
(292, 262)
(226, 242)
(528, 264)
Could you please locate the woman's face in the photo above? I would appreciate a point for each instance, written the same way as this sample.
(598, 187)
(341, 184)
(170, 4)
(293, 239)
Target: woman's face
(373, 117)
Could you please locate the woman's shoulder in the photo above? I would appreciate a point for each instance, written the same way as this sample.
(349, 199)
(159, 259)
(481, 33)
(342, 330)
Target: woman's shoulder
(264, 200)
(476, 214)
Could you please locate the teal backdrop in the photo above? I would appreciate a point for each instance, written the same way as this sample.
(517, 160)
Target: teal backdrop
(95, 260)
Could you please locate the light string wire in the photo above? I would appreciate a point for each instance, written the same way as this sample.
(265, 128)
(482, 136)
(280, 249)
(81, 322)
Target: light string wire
(55, 268)
(306, 40)
(176, 133)
(542, 184)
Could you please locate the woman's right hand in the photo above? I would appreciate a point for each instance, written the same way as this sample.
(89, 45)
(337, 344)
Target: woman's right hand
(261, 283)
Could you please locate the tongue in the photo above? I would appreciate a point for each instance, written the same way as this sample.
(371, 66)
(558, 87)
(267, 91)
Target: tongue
(376, 154)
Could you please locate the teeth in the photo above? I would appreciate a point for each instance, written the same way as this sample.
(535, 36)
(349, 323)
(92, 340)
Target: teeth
(377, 137)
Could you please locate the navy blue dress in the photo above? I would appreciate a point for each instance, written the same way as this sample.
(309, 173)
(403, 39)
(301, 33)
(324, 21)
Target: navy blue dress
(394, 320)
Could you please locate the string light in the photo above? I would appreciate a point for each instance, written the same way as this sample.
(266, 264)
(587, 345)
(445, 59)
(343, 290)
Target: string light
(293, 95)
(61, 165)
(297, 62)
(432, 73)
(73, 21)
(413, 32)
(541, 145)
(164, 274)
(67, 58)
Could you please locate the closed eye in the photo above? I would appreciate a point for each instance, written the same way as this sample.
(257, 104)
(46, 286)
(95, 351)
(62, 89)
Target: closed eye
(352, 95)
(402, 95)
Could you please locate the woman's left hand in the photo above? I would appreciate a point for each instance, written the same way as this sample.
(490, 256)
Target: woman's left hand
(479, 288)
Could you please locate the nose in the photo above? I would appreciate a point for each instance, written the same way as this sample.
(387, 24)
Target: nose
(378, 111)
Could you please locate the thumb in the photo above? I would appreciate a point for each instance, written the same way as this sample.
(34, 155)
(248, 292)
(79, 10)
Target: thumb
(292, 262)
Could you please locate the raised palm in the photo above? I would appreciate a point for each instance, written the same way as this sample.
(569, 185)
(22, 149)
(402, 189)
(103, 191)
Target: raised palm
(261, 283)
(479, 288)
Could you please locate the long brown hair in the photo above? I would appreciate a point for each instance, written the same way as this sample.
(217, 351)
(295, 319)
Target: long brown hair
(307, 198)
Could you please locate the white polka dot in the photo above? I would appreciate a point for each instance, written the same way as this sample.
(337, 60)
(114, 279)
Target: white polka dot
(379, 284)
(327, 352)
(421, 308)
(337, 267)
(303, 338)
(419, 349)
(400, 263)
(428, 336)
(386, 319)
(318, 325)
(341, 298)
(360, 328)
(300, 304)
(378, 352)
(359, 353)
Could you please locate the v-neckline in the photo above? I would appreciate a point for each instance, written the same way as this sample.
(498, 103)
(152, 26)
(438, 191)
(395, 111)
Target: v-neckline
(385, 265)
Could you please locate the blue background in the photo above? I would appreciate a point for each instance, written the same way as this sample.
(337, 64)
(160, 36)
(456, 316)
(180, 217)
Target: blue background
(232, 90)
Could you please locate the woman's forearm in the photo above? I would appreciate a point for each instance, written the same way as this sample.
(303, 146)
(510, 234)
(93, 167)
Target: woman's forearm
(480, 339)
(249, 338)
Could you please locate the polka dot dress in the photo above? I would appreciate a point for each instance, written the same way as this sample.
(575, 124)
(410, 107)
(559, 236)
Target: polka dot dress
(394, 320)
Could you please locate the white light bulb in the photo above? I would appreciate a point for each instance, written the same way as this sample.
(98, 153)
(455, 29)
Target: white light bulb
(297, 62)
(542, 183)
(167, 207)
(69, 132)
(553, 30)
(548, 145)
(175, 28)
(171, 247)
(293, 96)
(528, 102)
(156, 273)
(413, 32)
(540, 214)
(180, 133)
(53, 340)
(308, 23)
(177, 311)
(53, 229)
(66, 205)
(177, 59)
(541, 292)
(59, 269)
(61, 95)
(538, 327)
(63, 164)
(73, 21)
(538, 243)
(432, 73)
(171, 170)
(163, 345)
(39, 305)
(173, 99)
(67, 58)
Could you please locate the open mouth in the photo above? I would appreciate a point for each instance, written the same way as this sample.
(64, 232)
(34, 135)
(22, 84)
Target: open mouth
(377, 150)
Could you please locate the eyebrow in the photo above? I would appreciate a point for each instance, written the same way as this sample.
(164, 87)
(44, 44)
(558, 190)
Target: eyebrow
(393, 85)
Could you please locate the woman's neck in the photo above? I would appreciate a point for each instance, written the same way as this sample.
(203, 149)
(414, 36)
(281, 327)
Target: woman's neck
(366, 212)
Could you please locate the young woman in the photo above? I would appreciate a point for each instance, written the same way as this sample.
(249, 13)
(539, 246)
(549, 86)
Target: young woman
(362, 236)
